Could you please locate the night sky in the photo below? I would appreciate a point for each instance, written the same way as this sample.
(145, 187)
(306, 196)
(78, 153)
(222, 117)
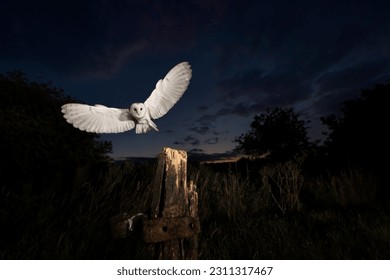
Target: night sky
(246, 56)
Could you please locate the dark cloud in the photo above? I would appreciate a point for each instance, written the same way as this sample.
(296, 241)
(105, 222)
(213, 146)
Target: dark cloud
(332, 103)
(212, 140)
(336, 86)
(216, 133)
(202, 108)
(207, 120)
(195, 151)
(352, 77)
(246, 81)
(242, 109)
(191, 140)
(272, 88)
(200, 129)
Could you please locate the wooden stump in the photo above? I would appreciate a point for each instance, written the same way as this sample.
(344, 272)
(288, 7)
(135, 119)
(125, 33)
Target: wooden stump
(173, 227)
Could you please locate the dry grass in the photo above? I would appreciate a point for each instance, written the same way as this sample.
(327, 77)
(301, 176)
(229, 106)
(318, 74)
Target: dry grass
(284, 181)
(274, 217)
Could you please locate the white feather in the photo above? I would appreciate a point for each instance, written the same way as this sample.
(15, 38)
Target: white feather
(169, 90)
(98, 118)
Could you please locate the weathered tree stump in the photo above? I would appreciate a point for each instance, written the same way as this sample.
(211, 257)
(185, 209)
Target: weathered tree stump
(171, 231)
(173, 227)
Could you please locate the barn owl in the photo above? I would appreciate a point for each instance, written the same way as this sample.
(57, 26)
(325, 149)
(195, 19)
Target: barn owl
(102, 119)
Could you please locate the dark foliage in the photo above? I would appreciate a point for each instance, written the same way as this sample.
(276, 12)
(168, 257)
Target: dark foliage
(279, 132)
(359, 137)
(42, 156)
(36, 142)
(360, 133)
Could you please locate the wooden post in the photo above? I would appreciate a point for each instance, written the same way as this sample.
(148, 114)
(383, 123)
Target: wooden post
(173, 227)
(171, 231)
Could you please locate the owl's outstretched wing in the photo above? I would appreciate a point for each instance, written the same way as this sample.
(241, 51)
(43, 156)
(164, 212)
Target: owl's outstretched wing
(169, 90)
(98, 118)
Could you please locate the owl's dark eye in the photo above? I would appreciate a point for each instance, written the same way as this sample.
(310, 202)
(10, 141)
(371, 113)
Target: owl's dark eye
(140, 109)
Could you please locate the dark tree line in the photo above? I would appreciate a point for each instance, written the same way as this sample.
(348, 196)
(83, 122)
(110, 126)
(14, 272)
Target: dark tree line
(360, 135)
(44, 163)
(357, 138)
(38, 148)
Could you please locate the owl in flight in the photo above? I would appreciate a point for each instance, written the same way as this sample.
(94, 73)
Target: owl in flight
(102, 119)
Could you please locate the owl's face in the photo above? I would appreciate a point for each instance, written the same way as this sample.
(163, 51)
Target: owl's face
(138, 110)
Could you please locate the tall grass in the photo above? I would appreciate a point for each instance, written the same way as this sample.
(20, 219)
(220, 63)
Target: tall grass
(75, 225)
(284, 181)
(281, 214)
(349, 187)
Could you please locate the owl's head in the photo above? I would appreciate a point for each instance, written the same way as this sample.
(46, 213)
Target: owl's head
(138, 110)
